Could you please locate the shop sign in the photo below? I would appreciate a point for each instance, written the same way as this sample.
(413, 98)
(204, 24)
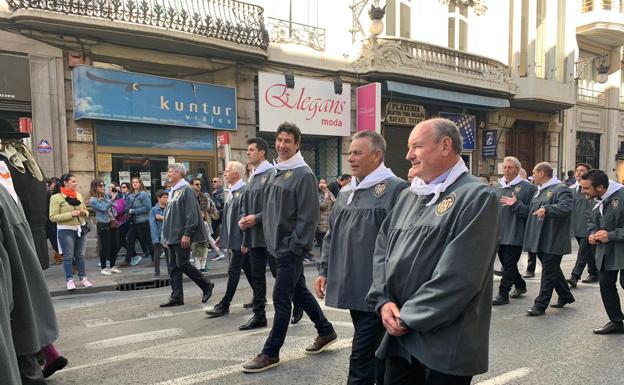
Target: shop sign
(105, 162)
(25, 125)
(223, 138)
(132, 97)
(368, 99)
(312, 105)
(44, 147)
(14, 78)
(467, 125)
(489, 144)
(404, 114)
(84, 134)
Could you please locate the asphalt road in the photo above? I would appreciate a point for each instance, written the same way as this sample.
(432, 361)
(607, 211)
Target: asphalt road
(125, 338)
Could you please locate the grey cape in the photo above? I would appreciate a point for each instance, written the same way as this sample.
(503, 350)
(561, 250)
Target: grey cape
(291, 212)
(513, 218)
(347, 255)
(550, 235)
(24, 291)
(231, 234)
(183, 217)
(252, 203)
(580, 213)
(435, 262)
(611, 254)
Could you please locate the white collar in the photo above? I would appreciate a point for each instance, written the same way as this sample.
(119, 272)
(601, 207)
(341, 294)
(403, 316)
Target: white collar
(180, 184)
(295, 161)
(553, 181)
(513, 182)
(262, 167)
(421, 188)
(380, 174)
(613, 187)
(237, 186)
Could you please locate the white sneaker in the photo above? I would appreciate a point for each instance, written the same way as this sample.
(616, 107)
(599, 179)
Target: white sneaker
(115, 270)
(85, 282)
(105, 272)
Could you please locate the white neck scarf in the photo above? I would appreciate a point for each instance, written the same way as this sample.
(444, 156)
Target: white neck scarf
(513, 182)
(421, 188)
(553, 181)
(237, 186)
(575, 186)
(178, 186)
(295, 161)
(262, 167)
(381, 173)
(613, 187)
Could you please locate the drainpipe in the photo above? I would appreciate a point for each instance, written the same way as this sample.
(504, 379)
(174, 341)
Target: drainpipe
(560, 147)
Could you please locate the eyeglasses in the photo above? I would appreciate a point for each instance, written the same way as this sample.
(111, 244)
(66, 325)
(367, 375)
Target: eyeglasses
(101, 185)
(124, 186)
(215, 181)
(197, 184)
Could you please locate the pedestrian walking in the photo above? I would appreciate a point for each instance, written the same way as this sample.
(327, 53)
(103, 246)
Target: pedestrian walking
(138, 205)
(346, 266)
(326, 202)
(289, 218)
(182, 226)
(199, 250)
(104, 216)
(51, 226)
(547, 233)
(432, 278)
(68, 211)
(217, 198)
(122, 217)
(156, 218)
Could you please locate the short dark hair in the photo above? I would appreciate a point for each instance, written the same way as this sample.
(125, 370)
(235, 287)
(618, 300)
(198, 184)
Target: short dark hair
(597, 178)
(64, 178)
(344, 177)
(196, 180)
(587, 167)
(290, 128)
(160, 193)
(260, 143)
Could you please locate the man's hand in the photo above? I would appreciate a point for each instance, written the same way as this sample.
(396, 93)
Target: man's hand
(159, 217)
(540, 213)
(592, 239)
(508, 201)
(601, 236)
(319, 287)
(185, 242)
(247, 222)
(390, 317)
(244, 249)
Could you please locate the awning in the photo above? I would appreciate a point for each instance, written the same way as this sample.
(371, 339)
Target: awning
(447, 97)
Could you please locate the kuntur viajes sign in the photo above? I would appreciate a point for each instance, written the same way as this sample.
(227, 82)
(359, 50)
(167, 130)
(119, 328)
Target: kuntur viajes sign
(312, 105)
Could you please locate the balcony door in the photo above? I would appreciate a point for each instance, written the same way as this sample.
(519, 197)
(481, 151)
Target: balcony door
(521, 144)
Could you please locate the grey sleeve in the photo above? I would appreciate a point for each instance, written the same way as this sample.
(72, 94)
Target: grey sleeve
(322, 266)
(377, 295)
(191, 212)
(308, 212)
(461, 272)
(564, 206)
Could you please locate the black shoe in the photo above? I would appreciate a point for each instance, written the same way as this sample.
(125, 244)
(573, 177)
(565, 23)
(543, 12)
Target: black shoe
(572, 281)
(517, 293)
(172, 303)
(254, 323)
(611, 327)
(208, 292)
(498, 273)
(54, 366)
(590, 279)
(217, 311)
(500, 300)
(248, 305)
(534, 311)
(297, 314)
(561, 303)
(529, 274)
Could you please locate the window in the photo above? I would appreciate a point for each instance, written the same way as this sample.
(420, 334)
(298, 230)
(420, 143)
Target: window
(561, 61)
(402, 13)
(588, 148)
(540, 39)
(458, 27)
(524, 39)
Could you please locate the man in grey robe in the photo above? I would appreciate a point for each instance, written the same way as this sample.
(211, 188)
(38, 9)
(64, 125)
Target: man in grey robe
(289, 218)
(547, 233)
(432, 280)
(346, 266)
(514, 195)
(606, 231)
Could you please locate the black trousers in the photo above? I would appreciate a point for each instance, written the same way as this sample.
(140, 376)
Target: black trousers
(108, 240)
(51, 234)
(319, 236)
(141, 231)
(30, 370)
(178, 264)
(364, 368)
(585, 256)
(552, 279)
(290, 285)
(400, 372)
(609, 294)
(509, 256)
(531, 262)
(238, 261)
(123, 236)
(258, 257)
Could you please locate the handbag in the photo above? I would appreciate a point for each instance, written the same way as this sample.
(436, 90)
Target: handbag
(85, 227)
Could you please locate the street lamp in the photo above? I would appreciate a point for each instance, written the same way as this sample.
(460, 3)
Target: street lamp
(603, 68)
(376, 14)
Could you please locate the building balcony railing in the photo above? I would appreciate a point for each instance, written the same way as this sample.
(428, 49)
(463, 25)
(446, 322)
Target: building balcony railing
(605, 5)
(284, 31)
(227, 20)
(591, 96)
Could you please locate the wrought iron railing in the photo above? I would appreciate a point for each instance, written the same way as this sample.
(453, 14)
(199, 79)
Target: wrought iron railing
(284, 31)
(228, 20)
(590, 95)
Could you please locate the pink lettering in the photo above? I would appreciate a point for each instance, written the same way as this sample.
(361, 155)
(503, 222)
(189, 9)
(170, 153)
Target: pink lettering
(278, 96)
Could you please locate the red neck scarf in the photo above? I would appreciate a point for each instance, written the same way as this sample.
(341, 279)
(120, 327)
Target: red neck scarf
(68, 192)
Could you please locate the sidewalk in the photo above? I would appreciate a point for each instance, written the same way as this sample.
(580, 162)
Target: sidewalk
(138, 277)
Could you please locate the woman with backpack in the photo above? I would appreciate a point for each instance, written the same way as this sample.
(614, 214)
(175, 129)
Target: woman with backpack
(103, 206)
(138, 206)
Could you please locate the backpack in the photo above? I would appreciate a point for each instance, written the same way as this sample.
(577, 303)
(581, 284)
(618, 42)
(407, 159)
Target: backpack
(212, 209)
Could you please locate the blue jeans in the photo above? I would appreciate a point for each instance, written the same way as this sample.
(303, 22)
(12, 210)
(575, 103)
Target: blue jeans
(73, 248)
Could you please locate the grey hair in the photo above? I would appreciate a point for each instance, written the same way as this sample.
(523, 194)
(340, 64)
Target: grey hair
(513, 160)
(377, 141)
(179, 167)
(444, 128)
(546, 168)
(238, 168)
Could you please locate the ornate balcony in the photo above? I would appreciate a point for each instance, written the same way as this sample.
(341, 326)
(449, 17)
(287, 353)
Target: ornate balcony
(404, 57)
(601, 21)
(223, 20)
(284, 31)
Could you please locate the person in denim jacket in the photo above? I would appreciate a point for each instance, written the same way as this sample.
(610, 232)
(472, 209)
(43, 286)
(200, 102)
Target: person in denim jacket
(138, 205)
(156, 217)
(103, 206)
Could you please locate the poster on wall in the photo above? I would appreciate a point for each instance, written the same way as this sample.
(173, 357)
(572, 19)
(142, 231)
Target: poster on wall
(124, 176)
(312, 105)
(368, 100)
(146, 178)
(164, 178)
(467, 125)
(489, 143)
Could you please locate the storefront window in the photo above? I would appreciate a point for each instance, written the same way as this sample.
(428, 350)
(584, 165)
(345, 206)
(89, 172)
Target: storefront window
(588, 148)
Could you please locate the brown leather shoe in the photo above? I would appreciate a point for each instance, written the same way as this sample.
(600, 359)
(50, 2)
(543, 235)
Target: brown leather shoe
(58, 258)
(261, 363)
(321, 343)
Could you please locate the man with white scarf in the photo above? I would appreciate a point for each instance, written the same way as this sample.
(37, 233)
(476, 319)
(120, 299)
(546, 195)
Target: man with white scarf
(289, 219)
(514, 195)
(433, 260)
(547, 233)
(582, 209)
(606, 231)
(346, 266)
